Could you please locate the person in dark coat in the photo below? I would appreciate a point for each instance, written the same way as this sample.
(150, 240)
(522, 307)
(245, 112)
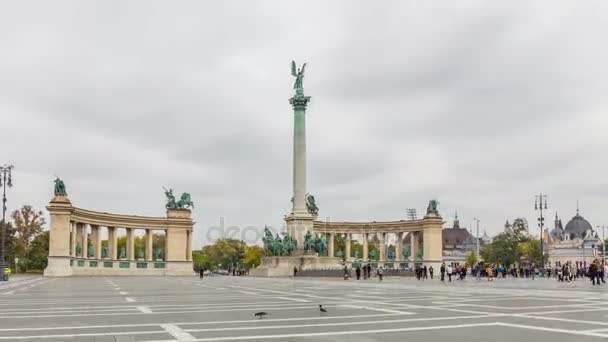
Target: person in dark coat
(201, 272)
(442, 271)
(358, 272)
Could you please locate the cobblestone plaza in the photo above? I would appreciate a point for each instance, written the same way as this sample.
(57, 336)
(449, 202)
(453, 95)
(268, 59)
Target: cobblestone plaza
(221, 308)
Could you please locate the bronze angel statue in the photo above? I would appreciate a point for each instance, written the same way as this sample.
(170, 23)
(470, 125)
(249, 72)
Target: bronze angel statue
(298, 85)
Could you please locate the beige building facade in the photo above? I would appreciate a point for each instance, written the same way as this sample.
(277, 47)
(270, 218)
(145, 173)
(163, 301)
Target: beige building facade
(73, 231)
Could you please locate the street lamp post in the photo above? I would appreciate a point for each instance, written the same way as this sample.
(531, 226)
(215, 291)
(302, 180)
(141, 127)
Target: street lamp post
(5, 180)
(603, 243)
(540, 203)
(477, 237)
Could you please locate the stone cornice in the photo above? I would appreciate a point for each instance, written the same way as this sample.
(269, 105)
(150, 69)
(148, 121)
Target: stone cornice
(128, 221)
(377, 227)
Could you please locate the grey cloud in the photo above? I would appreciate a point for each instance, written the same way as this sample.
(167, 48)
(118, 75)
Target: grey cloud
(480, 105)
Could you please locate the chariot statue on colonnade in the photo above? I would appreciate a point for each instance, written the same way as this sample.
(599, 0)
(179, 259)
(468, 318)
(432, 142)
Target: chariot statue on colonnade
(185, 201)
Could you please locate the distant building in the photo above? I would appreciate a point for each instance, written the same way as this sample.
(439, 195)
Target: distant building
(577, 244)
(458, 242)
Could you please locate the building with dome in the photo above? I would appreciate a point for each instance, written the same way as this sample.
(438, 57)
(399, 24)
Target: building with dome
(578, 243)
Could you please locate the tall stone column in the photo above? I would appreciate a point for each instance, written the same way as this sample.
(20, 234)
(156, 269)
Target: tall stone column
(399, 247)
(299, 104)
(299, 221)
(78, 230)
(413, 245)
(189, 246)
(382, 257)
(365, 250)
(330, 245)
(96, 235)
(149, 234)
(130, 244)
(85, 240)
(73, 237)
(347, 247)
(113, 242)
(98, 245)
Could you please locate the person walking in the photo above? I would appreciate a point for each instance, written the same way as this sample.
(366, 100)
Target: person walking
(379, 273)
(449, 270)
(201, 273)
(425, 272)
(592, 272)
(358, 272)
(295, 271)
(442, 271)
(431, 270)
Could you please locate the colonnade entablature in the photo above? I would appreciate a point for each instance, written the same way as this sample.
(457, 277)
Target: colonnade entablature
(86, 242)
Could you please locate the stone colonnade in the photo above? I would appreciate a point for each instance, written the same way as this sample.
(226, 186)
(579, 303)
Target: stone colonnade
(70, 240)
(81, 241)
(427, 229)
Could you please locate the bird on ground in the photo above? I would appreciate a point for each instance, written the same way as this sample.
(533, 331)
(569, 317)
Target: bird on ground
(260, 314)
(321, 308)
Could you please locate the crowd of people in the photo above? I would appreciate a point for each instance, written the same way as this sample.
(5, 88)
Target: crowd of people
(596, 272)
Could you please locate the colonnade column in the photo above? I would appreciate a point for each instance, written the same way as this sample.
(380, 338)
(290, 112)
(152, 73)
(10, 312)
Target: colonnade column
(73, 238)
(330, 245)
(149, 256)
(399, 247)
(413, 245)
(130, 244)
(365, 251)
(85, 241)
(97, 241)
(382, 256)
(113, 242)
(189, 246)
(347, 247)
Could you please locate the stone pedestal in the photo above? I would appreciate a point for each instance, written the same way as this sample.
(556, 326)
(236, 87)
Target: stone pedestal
(432, 240)
(283, 266)
(60, 210)
(297, 227)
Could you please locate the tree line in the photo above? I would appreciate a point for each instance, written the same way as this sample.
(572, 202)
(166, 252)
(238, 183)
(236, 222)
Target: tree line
(26, 240)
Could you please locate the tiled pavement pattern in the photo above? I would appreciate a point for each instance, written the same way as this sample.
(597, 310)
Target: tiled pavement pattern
(221, 308)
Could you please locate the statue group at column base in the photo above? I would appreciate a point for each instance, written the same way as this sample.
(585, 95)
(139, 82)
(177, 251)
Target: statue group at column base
(283, 266)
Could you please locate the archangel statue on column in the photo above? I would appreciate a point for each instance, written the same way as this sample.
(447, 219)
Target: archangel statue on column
(298, 85)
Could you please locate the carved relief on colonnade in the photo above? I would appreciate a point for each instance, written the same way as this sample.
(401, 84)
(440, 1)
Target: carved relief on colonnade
(86, 242)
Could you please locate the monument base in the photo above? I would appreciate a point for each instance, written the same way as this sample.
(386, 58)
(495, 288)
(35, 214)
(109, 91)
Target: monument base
(58, 267)
(67, 266)
(283, 266)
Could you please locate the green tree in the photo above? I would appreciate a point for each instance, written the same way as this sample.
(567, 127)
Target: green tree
(37, 257)
(227, 253)
(253, 256)
(505, 249)
(471, 259)
(529, 251)
(28, 224)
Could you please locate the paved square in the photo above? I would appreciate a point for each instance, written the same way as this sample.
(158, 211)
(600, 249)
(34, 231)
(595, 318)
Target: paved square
(221, 308)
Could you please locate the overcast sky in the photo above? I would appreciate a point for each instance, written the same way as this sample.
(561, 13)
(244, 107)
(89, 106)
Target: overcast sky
(480, 104)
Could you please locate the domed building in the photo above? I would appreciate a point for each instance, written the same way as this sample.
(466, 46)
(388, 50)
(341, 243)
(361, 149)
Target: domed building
(577, 244)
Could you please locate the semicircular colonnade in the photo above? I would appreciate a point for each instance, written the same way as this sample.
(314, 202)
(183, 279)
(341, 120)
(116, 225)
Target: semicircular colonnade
(76, 246)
